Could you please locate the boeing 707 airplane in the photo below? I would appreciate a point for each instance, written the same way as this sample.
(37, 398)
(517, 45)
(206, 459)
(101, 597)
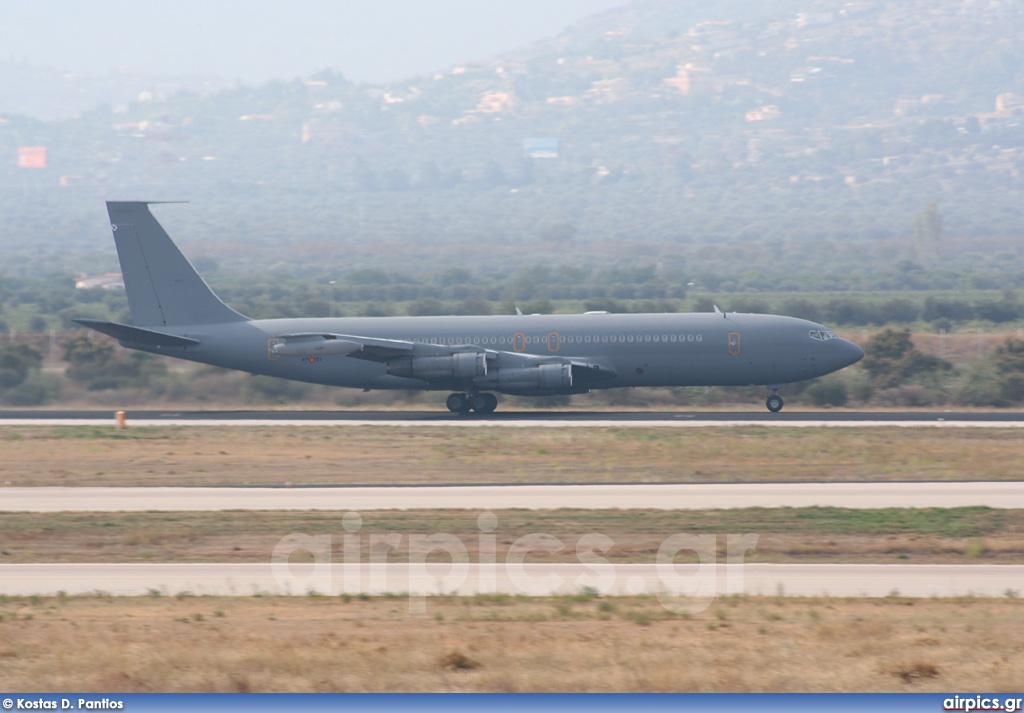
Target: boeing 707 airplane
(175, 313)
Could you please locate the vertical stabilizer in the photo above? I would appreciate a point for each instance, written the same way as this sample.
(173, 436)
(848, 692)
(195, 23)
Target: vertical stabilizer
(163, 288)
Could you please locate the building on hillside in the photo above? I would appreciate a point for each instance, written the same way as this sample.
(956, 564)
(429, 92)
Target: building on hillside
(110, 281)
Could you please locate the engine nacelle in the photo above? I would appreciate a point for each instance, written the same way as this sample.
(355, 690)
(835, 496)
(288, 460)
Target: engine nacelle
(546, 377)
(316, 347)
(456, 367)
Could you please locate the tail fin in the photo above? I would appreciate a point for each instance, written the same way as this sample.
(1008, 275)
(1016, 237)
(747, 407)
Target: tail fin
(163, 288)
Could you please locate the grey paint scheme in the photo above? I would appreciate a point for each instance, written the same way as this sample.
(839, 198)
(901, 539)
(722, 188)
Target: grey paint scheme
(176, 314)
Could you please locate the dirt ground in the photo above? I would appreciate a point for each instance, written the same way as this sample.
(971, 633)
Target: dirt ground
(501, 643)
(316, 455)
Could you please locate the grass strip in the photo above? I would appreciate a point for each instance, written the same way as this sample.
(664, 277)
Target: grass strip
(314, 455)
(814, 534)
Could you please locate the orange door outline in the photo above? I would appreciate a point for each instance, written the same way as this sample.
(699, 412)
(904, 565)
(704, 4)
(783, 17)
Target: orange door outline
(734, 342)
(519, 342)
(271, 354)
(554, 341)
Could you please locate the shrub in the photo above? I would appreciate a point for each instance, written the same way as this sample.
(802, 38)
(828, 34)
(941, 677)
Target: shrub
(458, 661)
(17, 361)
(913, 395)
(269, 388)
(913, 671)
(828, 391)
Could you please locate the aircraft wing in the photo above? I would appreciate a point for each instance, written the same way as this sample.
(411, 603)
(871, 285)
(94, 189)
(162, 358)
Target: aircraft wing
(376, 349)
(359, 347)
(323, 344)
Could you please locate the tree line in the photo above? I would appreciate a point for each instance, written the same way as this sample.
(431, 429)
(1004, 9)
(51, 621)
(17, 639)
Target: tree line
(894, 373)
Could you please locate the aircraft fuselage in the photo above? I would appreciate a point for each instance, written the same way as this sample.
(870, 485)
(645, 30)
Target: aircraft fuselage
(695, 349)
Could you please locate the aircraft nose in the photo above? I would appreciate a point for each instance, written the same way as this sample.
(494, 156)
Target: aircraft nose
(848, 353)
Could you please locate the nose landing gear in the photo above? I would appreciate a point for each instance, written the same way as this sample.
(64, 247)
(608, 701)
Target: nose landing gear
(774, 403)
(478, 403)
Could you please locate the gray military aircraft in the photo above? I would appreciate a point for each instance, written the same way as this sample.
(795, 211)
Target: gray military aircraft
(175, 313)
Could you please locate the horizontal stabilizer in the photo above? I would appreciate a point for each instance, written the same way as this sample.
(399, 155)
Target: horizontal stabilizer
(136, 335)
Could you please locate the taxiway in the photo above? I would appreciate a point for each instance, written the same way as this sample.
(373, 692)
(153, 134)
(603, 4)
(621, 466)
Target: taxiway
(671, 496)
(700, 582)
(523, 419)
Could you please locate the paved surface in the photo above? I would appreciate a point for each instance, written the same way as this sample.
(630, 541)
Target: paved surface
(702, 496)
(677, 419)
(442, 416)
(700, 581)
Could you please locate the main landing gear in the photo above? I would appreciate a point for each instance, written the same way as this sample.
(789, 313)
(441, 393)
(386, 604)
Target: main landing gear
(774, 403)
(478, 403)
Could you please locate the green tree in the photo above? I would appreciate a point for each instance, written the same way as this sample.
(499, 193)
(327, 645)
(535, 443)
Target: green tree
(472, 305)
(377, 309)
(17, 362)
(891, 359)
(22, 382)
(426, 307)
(827, 391)
(928, 229)
(1009, 363)
(89, 359)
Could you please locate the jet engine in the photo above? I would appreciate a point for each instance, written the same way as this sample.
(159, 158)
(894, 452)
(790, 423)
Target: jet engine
(546, 377)
(462, 366)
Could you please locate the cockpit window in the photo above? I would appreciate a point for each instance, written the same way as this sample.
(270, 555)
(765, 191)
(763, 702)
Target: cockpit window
(823, 335)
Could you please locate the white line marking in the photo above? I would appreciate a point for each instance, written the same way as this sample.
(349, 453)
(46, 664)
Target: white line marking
(473, 423)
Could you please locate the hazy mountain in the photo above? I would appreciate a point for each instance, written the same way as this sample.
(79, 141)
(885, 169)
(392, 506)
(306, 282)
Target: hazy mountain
(664, 123)
(54, 94)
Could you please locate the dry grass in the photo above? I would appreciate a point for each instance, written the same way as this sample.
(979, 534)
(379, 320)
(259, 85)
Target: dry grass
(84, 455)
(969, 535)
(502, 643)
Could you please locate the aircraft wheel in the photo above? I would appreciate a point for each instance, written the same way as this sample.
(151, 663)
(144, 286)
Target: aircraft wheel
(483, 403)
(458, 403)
(774, 403)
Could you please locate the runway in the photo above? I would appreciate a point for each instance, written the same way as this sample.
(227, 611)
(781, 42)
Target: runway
(672, 496)
(550, 419)
(702, 582)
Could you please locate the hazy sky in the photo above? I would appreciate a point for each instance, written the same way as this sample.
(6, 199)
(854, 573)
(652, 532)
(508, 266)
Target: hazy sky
(257, 40)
